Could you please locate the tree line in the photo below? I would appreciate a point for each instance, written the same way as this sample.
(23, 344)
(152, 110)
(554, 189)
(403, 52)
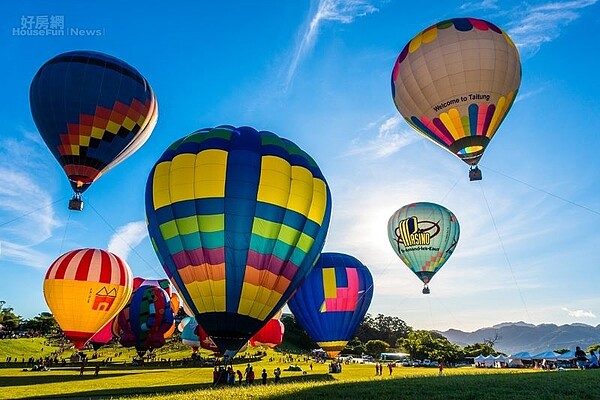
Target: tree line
(381, 333)
(375, 335)
(42, 324)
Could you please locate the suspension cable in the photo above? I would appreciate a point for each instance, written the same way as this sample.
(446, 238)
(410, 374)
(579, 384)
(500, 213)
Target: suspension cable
(504, 252)
(127, 243)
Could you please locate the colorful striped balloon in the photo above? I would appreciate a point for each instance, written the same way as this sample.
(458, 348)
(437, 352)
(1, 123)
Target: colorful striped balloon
(237, 218)
(333, 300)
(92, 110)
(455, 82)
(145, 321)
(85, 289)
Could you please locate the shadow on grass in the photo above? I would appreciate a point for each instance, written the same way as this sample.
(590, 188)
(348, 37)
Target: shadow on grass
(552, 385)
(150, 390)
(34, 378)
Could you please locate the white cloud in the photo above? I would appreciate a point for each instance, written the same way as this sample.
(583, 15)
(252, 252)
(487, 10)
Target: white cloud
(23, 191)
(543, 23)
(531, 93)
(24, 255)
(391, 137)
(480, 5)
(127, 237)
(579, 313)
(343, 11)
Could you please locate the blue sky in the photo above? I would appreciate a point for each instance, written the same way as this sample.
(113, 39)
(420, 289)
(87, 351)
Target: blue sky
(318, 73)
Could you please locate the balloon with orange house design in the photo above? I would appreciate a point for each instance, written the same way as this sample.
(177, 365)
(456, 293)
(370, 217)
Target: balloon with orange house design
(85, 289)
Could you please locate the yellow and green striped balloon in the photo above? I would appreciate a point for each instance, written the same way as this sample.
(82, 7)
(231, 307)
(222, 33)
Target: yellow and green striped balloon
(238, 218)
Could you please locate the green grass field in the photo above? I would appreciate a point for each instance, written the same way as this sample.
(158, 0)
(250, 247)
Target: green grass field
(356, 381)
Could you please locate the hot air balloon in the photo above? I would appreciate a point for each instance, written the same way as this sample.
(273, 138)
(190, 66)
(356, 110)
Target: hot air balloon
(424, 235)
(145, 320)
(85, 289)
(237, 218)
(270, 335)
(93, 111)
(455, 82)
(103, 336)
(333, 300)
(164, 284)
(187, 327)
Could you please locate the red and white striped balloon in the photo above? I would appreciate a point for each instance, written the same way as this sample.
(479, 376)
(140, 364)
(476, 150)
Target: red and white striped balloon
(85, 289)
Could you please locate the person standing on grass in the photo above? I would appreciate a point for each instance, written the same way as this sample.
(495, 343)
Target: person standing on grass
(441, 367)
(593, 360)
(82, 368)
(247, 373)
(390, 367)
(250, 377)
(239, 375)
(264, 377)
(581, 358)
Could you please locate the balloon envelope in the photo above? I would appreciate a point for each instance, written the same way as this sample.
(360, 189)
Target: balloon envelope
(145, 320)
(187, 327)
(237, 218)
(424, 235)
(85, 289)
(270, 335)
(164, 284)
(455, 82)
(332, 301)
(103, 336)
(92, 110)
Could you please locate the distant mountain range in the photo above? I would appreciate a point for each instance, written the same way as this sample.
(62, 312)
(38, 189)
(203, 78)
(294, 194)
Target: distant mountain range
(513, 337)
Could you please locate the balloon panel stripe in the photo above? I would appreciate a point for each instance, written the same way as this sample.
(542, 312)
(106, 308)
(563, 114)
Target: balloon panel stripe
(273, 264)
(58, 269)
(266, 279)
(199, 256)
(101, 60)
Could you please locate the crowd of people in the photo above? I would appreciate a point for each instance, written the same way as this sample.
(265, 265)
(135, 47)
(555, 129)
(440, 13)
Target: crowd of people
(230, 376)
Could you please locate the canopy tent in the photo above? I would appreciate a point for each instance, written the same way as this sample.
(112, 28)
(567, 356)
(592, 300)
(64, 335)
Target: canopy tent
(546, 355)
(489, 361)
(568, 356)
(516, 360)
(500, 361)
(523, 355)
(479, 361)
